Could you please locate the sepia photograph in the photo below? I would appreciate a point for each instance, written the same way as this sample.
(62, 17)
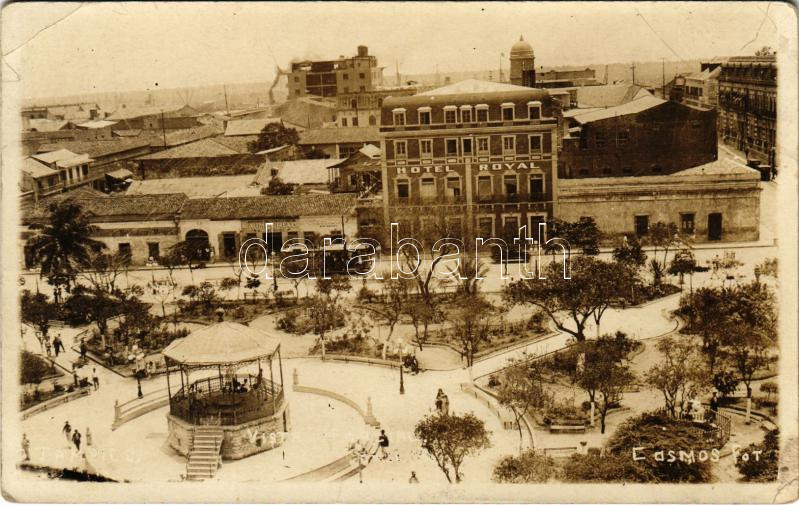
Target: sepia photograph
(399, 252)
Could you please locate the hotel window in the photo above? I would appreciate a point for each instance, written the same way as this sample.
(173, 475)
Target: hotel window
(622, 137)
(346, 77)
(355, 121)
(482, 146)
(599, 139)
(687, 223)
(509, 144)
(534, 110)
(482, 113)
(399, 117)
(343, 121)
(486, 226)
(403, 189)
(536, 187)
(426, 147)
(466, 115)
(453, 187)
(507, 112)
(452, 147)
(511, 184)
(424, 115)
(535, 144)
(362, 75)
(428, 188)
(468, 149)
(641, 225)
(400, 149)
(450, 115)
(484, 188)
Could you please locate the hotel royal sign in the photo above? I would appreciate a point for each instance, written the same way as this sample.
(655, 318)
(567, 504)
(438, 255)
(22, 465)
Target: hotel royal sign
(481, 167)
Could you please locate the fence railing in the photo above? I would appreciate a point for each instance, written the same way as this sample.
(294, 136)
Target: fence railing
(54, 402)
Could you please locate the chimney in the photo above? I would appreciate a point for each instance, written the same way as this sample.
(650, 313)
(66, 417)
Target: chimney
(363, 51)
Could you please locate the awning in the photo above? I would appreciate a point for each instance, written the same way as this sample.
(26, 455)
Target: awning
(120, 174)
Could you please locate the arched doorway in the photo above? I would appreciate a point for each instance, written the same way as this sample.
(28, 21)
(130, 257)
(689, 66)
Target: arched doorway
(198, 245)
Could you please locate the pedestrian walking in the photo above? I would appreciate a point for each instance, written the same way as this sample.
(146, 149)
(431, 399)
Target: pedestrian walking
(26, 447)
(74, 375)
(714, 407)
(57, 345)
(83, 349)
(67, 430)
(88, 437)
(442, 402)
(76, 439)
(382, 444)
(48, 348)
(95, 379)
(413, 479)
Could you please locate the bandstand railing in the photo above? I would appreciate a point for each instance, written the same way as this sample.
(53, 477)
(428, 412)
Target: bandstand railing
(221, 401)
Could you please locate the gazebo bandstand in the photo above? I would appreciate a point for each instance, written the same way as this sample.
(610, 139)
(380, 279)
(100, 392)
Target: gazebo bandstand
(236, 414)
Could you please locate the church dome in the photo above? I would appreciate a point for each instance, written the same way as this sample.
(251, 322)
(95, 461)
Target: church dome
(522, 49)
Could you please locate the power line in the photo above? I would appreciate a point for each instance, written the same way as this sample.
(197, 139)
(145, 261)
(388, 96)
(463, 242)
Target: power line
(656, 34)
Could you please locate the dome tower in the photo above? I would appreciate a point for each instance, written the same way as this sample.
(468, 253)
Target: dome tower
(522, 64)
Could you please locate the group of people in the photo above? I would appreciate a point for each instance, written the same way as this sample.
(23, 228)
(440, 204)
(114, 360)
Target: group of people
(411, 363)
(75, 437)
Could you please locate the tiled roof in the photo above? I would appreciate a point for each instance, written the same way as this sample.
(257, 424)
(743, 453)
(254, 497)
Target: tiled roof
(321, 136)
(194, 187)
(231, 164)
(46, 125)
(127, 133)
(96, 124)
(97, 148)
(123, 113)
(633, 107)
(609, 95)
(298, 171)
(240, 144)
(249, 126)
(37, 169)
(136, 207)
(718, 167)
(55, 156)
(204, 148)
(258, 207)
(39, 209)
(182, 136)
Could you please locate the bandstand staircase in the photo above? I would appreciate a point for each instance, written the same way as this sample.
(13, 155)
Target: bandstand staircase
(205, 455)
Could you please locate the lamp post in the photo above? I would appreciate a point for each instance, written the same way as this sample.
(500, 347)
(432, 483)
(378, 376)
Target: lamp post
(138, 376)
(274, 272)
(402, 377)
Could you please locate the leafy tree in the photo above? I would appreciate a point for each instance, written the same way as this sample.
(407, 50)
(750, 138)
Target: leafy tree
(682, 263)
(577, 299)
(471, 318)
(206, 295)
(521, 389)
(136, 320)
(103, 269)
(680, 375)
(630, 252)
(770, 388)
(97, 305)
(274, 135)
(647, 434)
(421, 315)
(36, 310)
(706, 311)
(276, 186)
(392, 305)
(764, 467)
(527, 467)
(325, 315)
(162, 290)
(725, 382)
(333, 286)
(748, 332)
(606, 371)
(768, 268)
(229, 283)
(32, 368)
(662, 238)
(449, 438)
(64, 245)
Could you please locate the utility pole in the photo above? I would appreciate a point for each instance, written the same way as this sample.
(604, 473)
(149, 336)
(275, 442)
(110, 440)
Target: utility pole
(163, 128)
(399, 82)
(227, 106)
(501, 55)
(663, 75)
(633, 69)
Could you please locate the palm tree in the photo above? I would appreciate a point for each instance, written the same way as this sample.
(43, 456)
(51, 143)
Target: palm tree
(64, 244)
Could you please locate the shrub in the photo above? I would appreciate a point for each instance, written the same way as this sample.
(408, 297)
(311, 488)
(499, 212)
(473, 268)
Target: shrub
(526, 467)
(33, 368)
(769, 388)
(493, 382)
(763, 468)
(725, 382)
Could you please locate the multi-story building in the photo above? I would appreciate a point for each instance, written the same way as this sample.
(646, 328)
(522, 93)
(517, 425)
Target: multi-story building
(333, 77)
(477, 154)
(748, 106)
(643, 136)
(362, 108)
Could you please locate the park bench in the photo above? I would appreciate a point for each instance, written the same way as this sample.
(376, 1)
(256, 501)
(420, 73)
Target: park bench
(566, 425)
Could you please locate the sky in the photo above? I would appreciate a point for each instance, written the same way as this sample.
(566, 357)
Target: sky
(53, 49)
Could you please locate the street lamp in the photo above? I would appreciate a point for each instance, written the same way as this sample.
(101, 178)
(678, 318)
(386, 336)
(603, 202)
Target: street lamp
(274, 272)
(139, 371)
(402, 377)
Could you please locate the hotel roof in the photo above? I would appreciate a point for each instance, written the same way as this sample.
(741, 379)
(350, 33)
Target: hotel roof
(634, 107)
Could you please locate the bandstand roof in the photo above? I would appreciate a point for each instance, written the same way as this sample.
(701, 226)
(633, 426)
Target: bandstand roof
(224, 343)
